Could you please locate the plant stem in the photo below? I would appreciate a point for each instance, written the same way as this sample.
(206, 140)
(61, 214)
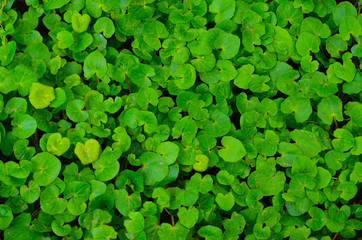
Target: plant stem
(221, 147)
(335, 121)
(335, 236)
(172, 219)
(129, 86)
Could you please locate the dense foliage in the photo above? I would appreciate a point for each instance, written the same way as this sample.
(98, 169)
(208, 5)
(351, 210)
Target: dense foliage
(172, 120)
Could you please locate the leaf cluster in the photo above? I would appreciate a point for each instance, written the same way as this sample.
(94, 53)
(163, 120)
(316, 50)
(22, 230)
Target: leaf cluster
(180, 119)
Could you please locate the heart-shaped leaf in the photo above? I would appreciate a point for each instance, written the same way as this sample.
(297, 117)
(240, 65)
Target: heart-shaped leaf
(57, 145)
(87, 152)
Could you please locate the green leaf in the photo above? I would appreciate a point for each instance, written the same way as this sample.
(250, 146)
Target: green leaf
(323, 177)
(57, 145)
(315, 26)
(74, 111)
(20, 228)
(152, 32)
(162, 196)
(245, 76)
(282, 40)
(50, 201)
(210, 232)
(322, 86)
(61, 229)
(21, 170)
(7, 82)
(347, 71)
(336, 219)
(46, 168)
(225, 201)
(95, 64)
(107, 166)
(329, 109)
(304, 165)
(31, 192)
(267, 146)
(6, 216)
(104, 232)
(227, 71)
(204, 63)
(185, 128)
(7, 53)
(233, 150)
(140, 75)
(41, 95)
(65, 39)
(307, 142)
(224, 178)
(287, 13)
(154, 168)
(51, 5)
(297, 105)
(24, 78)
(344, 140)
(335, 45)
(185, 76)
(178, 232)
(136, 222)
(188, 217)
(348, 189)
(228, 43)
(318, 220)
(342, 10)
(261, 232)
(349, 26)
(224, 10)
(87, 152)
(80, 22)
(105, 26)
(307, 43)
(23, 126)
(333, 159)
(201, 164)
(125, 203)
(354, 110)
(16, 105)
(286, 82)
(169, 151)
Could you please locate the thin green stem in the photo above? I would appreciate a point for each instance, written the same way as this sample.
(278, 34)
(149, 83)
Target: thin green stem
(335, 121)
(172, 219)
(335, 236)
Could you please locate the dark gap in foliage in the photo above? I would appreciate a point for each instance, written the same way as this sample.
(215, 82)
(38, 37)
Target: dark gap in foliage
(2, 200)
(210, 25)
(165, 217)
(323, 50)
(280, 95)
(42, 29)
(103, 143)
(353, 2)
(358, 198)
(237, 91)
(263, 47)
(20, 6)
(235, 118)
(356, 61)
(212, 171)
(293, 64)
(65, 160)
(268, 201)
(114, 43)
(127, 44)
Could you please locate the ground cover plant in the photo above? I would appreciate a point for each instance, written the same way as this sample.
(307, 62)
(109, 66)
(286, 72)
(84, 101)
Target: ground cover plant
(172, 120)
